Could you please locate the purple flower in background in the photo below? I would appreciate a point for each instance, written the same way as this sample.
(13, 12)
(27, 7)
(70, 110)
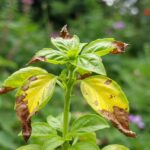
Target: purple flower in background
(119, 25)
(27, 2)
(137, 119)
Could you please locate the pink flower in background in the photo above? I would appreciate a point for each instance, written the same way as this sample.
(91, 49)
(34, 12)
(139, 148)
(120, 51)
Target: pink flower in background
(119, 25)
(137, 119)
(27, 2)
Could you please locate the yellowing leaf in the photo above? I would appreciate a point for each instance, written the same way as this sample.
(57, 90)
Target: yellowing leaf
(38, 90)
(106, 97)
(32, 96)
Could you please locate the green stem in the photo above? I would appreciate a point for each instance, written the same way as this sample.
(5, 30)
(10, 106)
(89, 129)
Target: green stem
(69, 87)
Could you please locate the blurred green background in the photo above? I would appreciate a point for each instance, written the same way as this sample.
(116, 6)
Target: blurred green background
(26, 27)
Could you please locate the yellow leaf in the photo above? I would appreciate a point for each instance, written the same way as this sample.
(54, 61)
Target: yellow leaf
(106, 97)
(38, 91)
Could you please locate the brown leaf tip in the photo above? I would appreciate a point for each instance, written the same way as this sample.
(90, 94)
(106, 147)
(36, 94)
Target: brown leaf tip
(4, 90)
(120, 120)
(23, 114)
(37, 59)
(64, 33)
(119, 47)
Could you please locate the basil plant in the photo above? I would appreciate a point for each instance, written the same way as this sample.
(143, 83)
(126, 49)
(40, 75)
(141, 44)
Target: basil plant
(82, 65)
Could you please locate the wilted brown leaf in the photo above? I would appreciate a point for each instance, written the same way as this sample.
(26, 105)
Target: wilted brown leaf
(120, 120)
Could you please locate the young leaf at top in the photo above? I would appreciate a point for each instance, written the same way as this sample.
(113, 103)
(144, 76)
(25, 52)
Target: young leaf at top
(104, 46)
(32, 96)
(84, 146)
(106, 97)
(91, 63)
(115, 147)
(49, 55)
(66, 43)
(17, 79)
(88, 123)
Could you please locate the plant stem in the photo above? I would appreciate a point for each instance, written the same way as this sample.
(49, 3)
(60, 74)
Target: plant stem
(68, 90)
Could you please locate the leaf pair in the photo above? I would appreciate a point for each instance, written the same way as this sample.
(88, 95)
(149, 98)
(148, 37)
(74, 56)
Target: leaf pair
(35, 87)
(84, 56)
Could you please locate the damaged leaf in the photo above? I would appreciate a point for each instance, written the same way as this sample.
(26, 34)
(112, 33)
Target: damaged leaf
(49, 55)
(4, 90)
(31, 97)
(105, 46)
(106, 97)
(17, 79)
(66, 42)
(64, 33)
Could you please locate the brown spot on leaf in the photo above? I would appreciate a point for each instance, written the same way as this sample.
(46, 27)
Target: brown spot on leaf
(119, 119)
(64, 33)
(107, 82)
(37, 59)
(4, 90)
(96, 103)
(86, 75)
(119, 47)
(25, 87)
(33, 78)
(23, 114)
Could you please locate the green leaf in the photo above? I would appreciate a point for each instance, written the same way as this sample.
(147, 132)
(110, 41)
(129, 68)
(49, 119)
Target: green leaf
(53, 143)
(100, 46)
(66, 44)
(18, 78)
(42, 129)
(89, 123)
(54, 123)
(50, 55)
(30, 147)
(115, 147)
(106, 97)
(92, 63)
(88, 137)
(42, 86)
(84, 146)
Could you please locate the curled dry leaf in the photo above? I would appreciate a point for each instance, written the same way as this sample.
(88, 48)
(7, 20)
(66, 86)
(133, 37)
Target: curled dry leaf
(119, 47)
(23, 114)
(64, 33)
(36, 59)
(119, 118)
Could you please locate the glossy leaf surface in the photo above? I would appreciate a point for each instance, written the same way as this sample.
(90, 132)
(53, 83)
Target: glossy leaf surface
(92, 63)
(105, 46)
(89, 123)
(50, 55)
(52, 143)
(41, 129)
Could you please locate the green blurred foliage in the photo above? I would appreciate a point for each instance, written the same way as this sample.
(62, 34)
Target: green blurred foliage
(26, 27)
